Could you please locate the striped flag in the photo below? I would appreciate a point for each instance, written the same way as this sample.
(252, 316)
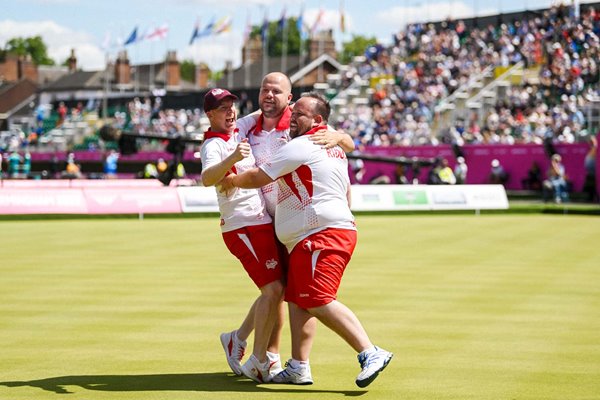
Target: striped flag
(222, 25)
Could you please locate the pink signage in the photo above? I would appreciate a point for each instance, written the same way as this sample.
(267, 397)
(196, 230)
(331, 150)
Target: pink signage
(47, 201)
(131, 200)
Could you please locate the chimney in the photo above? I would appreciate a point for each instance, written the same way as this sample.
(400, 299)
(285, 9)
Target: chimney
(252, 50)
(173, 72)
(122, 69)
(9, 69)
(28, 69)
(72, 62)
(202, 75)
(322, 43)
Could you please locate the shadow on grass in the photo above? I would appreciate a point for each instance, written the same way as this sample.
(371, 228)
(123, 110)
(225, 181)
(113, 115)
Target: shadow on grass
(207, 382)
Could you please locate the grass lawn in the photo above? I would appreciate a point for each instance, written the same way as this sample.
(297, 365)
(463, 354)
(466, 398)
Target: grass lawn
(474, 307)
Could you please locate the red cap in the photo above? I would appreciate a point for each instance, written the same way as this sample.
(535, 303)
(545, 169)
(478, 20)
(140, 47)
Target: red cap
(213, 98)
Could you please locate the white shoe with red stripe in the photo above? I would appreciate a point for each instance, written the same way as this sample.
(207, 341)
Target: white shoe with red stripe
(234, 350)
(256, 371)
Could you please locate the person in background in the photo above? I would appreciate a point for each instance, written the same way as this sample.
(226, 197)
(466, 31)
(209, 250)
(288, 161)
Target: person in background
(26, 169)
(161, 166)
(533, 181)
(556, 183)
(498, 175)
(589, 186)
(460, 171)
(72, 170)
(14, 164)
(446, 175)
(110, 164)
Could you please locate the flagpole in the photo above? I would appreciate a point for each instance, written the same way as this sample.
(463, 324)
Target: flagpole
(300, 26)
(105, 92)
(151, 76)
(246, 51)
(284, 48)
(265, 45)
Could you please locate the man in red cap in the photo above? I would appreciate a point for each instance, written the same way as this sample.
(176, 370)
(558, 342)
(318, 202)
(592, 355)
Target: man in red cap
(248, 233)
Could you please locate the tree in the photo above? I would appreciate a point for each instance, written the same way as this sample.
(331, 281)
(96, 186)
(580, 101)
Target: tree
(355, 47)
(275, 37)
(33, 46)
(187, 69)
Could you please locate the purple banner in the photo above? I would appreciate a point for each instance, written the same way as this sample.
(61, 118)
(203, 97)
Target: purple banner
(516, 160)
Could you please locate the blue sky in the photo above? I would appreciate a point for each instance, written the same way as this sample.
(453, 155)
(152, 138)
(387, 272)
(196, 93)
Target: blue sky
(84, 24)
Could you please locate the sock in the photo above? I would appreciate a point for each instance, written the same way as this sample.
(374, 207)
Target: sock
(368, 351)
(272, 356)
(295, 364)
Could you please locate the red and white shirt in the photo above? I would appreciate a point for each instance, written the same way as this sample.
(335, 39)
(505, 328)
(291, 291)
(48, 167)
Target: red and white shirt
(312, 187)
(265, 144)
(245, 206)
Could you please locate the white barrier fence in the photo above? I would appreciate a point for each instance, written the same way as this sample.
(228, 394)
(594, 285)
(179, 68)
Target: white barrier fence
(140, 198)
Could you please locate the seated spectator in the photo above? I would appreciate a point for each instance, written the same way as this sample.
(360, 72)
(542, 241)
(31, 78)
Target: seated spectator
(446, 175)
(433, 176)
(460, 171)
(400, 175)
(533, 181)
(150, 171)
(110, 164)
(498, 174)
(556, 182)
(589, 186)
(72, 170)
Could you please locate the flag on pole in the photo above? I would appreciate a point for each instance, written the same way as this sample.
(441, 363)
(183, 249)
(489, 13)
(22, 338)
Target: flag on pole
(133, 37)
(195, 31)
(248, 29)
(208, 29)
(300, 25)
(317, 22)
(265, 28)
(222, 25)
(342, 17)
(106, 43)
(158, 33)
(282, 21)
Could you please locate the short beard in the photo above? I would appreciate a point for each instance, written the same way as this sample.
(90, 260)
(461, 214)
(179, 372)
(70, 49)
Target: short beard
(272, 113)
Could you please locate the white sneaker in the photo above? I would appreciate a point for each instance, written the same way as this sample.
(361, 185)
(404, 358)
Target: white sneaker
(372, 364)
(234, 351)
(256, 371)
(274, 364)
(297, 376)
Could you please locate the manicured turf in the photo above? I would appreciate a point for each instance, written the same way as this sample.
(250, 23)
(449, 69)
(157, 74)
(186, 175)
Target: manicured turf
(474, 307)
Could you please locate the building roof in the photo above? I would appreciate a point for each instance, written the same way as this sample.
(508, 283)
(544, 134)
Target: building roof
(251, 74)
(94, 80)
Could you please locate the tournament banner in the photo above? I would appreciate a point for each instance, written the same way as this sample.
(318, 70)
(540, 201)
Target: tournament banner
(428, 197)
(131, 200)
(198, 199)
(47, 201)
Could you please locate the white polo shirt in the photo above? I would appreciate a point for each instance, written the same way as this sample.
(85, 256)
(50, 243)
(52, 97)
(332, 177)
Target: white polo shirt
(265, 144)
(245, 206)
(312, 185)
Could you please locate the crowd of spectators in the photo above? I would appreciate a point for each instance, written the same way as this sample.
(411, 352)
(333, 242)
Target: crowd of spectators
(145, 116)
(442, 57)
